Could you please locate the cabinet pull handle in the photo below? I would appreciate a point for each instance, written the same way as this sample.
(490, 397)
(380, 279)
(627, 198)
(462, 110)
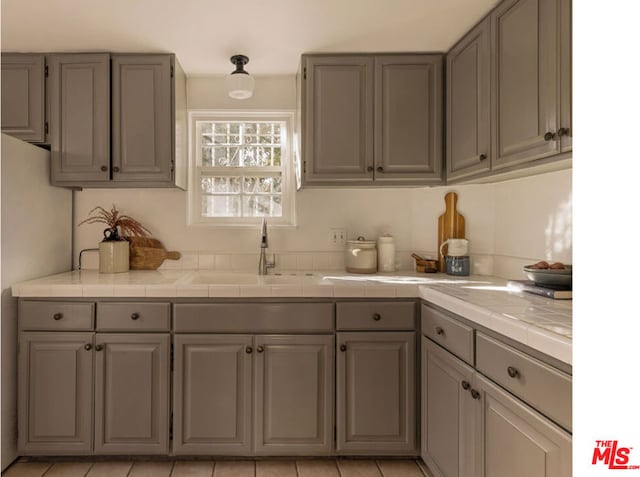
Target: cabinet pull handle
(370, 169)
(99, 347)
(465, 385)
(343, 347)
(563, 132)
(117, 169)
(58, 316)
(104, 168)
(483, 157)
(439, 330)
(380, 169)
(88, 346)
(475, 394)
(135, 316)
(260, 349)
(376, 316)
(248, 350)
(550, 136)
(513, 372)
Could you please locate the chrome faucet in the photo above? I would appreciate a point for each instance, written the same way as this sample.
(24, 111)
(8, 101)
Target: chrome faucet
(263, 263)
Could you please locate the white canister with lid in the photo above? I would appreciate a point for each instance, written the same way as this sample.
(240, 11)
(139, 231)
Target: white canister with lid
(361, 256)
(386, 253)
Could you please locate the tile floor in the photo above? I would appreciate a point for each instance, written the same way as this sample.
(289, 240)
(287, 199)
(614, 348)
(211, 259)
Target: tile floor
(266, 468)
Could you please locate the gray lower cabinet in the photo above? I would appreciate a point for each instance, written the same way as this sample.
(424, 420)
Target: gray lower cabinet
(371, 119)
(23, 96)
(132, 393)
(80, 132)
(375, 395)
(244, 394)
(55, 393)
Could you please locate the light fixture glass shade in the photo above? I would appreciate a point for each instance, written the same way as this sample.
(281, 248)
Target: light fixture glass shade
(240, 85)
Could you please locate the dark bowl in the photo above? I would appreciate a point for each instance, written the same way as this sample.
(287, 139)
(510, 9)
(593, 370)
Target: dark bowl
(549, 276)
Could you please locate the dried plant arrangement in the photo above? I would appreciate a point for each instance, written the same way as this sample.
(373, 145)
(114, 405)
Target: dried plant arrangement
(118, 226)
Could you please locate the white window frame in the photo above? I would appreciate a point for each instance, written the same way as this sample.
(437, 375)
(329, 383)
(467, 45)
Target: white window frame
(194, 217)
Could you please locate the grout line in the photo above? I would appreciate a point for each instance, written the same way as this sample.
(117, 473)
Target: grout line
(339, 469)
(213, 468)
(89, 469)
(47, 469)
(130, 468)
(379, 468)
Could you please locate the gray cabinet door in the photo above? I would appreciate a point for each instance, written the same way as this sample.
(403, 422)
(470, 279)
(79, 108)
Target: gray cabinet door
(565, 76)
(132, 394)
(294, 395)
(450, 415)
(468, 103)
(375, 396)
(337, 131)
(55, 398)
(524, 81)
(79, 95)
(212, 394)
(519, 441)
(142, 118)
(408, 118)
(23, 111)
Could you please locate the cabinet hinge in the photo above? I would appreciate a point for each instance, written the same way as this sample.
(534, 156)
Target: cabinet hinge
(172, 71)
(304, 72)
(46, 127)
(46, 71)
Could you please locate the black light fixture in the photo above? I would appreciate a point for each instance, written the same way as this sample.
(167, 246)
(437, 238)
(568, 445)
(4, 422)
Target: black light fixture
(239, 82)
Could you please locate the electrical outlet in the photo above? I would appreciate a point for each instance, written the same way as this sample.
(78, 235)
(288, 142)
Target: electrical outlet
(337, 237)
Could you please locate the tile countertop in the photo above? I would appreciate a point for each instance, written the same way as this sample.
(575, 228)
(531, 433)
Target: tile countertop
(541, 323)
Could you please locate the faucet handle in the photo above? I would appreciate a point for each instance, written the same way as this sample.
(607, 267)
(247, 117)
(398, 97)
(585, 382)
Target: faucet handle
(272, 264)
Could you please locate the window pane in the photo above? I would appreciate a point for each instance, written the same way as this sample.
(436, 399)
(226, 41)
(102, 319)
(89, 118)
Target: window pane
(220, 128)
(250, 128)
(211, 185)
(207, 156)
(226, 157)
(221, 206)
(277, 158)
(262, 185)
(256, 156)
(262, 206)
(206, 128)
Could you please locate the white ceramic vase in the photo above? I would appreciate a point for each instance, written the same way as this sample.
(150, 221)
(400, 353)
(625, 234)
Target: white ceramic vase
(114, 256)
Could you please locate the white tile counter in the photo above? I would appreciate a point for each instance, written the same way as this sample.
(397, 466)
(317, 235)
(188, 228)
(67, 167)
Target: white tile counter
(541, 323)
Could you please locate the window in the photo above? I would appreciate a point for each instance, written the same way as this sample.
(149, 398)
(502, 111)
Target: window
(241, 168)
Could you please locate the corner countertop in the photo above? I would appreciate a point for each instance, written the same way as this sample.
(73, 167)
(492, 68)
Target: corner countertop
(543, 324)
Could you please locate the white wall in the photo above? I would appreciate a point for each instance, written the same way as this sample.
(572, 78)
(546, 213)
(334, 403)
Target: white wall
(508, 224)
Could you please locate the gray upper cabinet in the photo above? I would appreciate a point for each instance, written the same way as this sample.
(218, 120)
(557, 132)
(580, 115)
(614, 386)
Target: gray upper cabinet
(55, 393)
(565, 132)
(337, 119)
(371, 119)
(142, 118)
(375, 396)
(23, 96)
(525, 81)
(79, 95)
(408, 118)
(468, 103)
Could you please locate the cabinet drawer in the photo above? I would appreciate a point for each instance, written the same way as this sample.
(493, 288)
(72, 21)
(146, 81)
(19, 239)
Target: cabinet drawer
(543, 387)
(453, 335)
(375, 316)
(253, 317)
(133, 317)
(50, 315)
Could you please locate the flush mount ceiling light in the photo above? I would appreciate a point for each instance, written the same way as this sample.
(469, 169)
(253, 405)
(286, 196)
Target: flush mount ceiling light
(239, 83)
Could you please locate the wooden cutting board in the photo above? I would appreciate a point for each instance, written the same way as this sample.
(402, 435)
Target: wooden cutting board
(146, 253)
(450, 225)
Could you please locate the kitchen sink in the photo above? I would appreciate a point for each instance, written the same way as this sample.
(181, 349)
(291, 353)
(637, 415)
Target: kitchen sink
(215, 278)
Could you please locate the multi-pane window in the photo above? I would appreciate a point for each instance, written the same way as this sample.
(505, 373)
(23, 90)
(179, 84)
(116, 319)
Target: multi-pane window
(242, 169)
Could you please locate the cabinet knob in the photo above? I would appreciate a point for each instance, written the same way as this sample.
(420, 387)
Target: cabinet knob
(104, 168)
(513, 372)
(260, 349)
(135, 316)
(376, 317)
(99, 347)
(117, 169)
(380, 169)
(465, 385)
(88, 346)
(483, 157)
(563, 132)
(343, 347)
(475, 394)
(549, 136)
(439, 330)
(58, 316)
(370, 169)
(248, 350)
